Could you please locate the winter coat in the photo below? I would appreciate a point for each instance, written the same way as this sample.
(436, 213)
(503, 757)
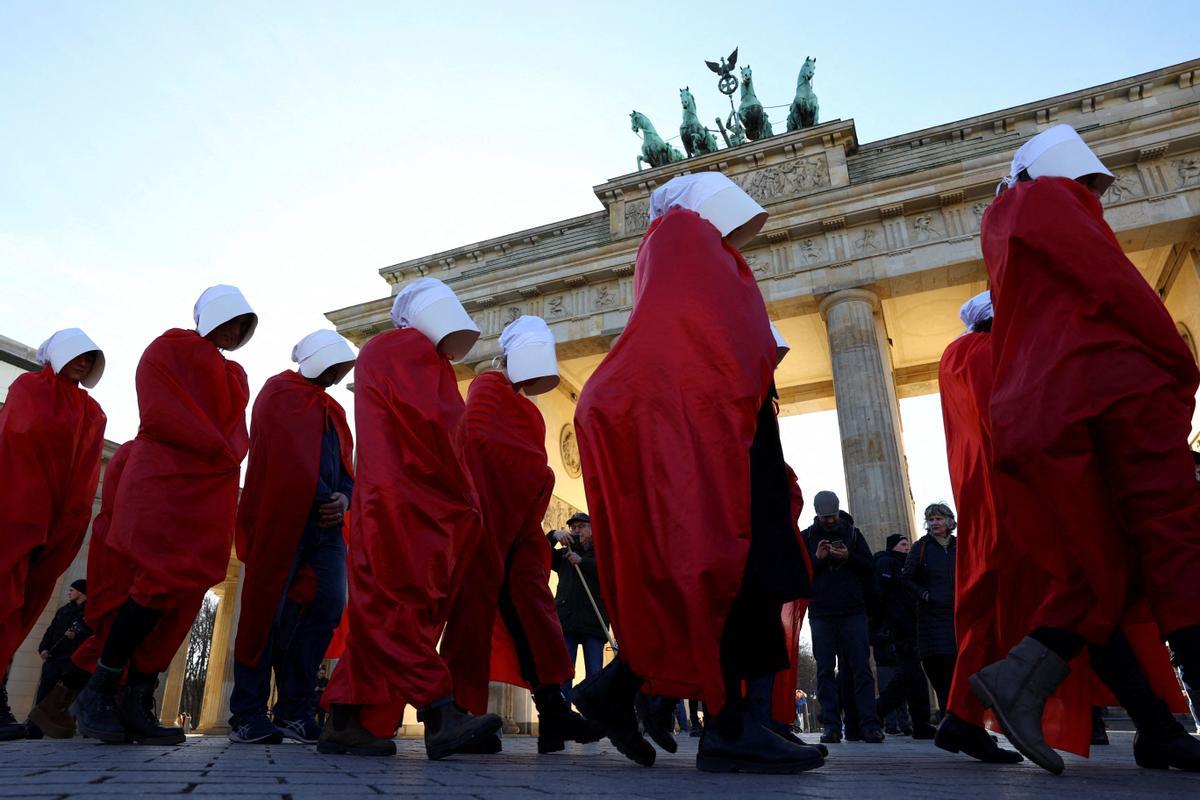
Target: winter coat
(840, 588)
(929, 575)
(575, 611)
(894, 626)
(55, 639)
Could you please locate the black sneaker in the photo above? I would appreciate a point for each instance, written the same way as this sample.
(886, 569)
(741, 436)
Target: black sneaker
(255, 729)
(753, 749)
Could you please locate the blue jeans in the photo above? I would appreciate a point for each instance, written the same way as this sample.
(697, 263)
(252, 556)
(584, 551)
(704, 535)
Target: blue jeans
(841, 643)
(299, 637)
(593, 657)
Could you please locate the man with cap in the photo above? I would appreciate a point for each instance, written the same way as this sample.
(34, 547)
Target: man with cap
(299, 480)
(51, 437)
(843, 571)
(66, 632)
(173, 516)
(687, 486)
(583, 630)
(1080, 337)
(503, 624)
(414, 523)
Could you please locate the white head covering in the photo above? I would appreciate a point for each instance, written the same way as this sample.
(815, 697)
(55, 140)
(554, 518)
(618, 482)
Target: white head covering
(781, 345)
(432, 308)
(64, 345)
(714, 197)
(529, 346)
(977, 309)
(321, 350)
(219, 304)
(1057, 152)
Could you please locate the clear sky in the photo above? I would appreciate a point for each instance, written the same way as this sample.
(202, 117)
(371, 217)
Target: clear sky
(150, 149)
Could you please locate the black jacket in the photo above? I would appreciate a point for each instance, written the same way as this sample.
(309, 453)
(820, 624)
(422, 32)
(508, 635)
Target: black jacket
(575, 611)
(55, 639)
(840, 588)
(894, 625)
(929, 571)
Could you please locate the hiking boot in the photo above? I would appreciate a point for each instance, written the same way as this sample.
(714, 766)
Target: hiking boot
(449, 729)
(95, 707)
(52, 715)
(135, 708)
(749, 747)
(558, 724)
(344, 734)
(658, 719)
(955, 735)
(254, 729)
(1016, 689)
(304, 730)
(1099, 731)
(607, 699)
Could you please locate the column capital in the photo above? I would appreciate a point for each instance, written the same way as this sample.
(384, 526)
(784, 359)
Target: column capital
(848, 295)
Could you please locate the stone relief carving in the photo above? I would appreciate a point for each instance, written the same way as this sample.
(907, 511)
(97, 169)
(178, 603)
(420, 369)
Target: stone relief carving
(812, 250)
(759, 263)
(557, 514)
(1187, 171)
(1125, 186)
(511, 314)
(978, 210)
(556, 306)
(867, 243)
(925, 229)
(568, 450)
(786, 180)
(637, 215)
(605, 297)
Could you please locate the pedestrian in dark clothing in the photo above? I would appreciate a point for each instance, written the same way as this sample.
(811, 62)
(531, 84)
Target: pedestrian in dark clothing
(843, 575)
(929, 575)
(66, 632)
(581, 627)
(896, 640)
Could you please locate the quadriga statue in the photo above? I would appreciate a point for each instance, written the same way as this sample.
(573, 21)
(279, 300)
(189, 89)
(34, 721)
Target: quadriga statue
(804, 110)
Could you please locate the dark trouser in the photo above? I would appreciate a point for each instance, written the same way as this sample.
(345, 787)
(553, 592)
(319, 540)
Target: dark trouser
(53, 670)
(940, 670)
(298, 641)
(906, 685)
(694, 713)
(897, 719)
(838, 643)
(593, 656)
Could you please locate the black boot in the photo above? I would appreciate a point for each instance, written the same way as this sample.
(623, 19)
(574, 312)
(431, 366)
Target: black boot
(789, 733)
(558, 724)
(10, 729)
(95, 709)
(607, 699)
(344, 734)
(736, 743)
(52, 715)
(658, 719)
(1166, 745)
(449, 729)
(1099, 730)
(135, 708)
(955, 735)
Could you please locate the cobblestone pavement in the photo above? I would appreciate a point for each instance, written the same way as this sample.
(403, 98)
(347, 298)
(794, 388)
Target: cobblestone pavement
(211, 767)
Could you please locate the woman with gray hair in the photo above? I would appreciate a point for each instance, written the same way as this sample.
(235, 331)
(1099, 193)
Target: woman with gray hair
(929, 575)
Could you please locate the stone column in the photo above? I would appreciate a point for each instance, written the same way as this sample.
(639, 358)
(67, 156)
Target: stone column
(868, 416)
(172, 692)
(218, 684)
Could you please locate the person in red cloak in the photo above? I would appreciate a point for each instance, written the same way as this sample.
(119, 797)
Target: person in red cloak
(414, 521)
(504, 624)
(687, 486)
(1080, 337)
(172, 517)
(51, 437)
(299, 480)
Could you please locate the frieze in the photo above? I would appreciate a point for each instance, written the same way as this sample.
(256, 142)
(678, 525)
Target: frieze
(1187, 171)
(924, 229)
(786, 180)
(637, 216)
(1126, 185)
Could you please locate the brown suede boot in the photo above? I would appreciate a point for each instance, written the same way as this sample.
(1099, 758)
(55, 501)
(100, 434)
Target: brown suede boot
(1016, 689)
(345, 734)
(52, 716)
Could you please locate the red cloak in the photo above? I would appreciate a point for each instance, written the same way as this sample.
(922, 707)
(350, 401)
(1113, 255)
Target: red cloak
(107, 577)
(783, 696)
(51, 437)
(503, 439)
(1091, 410)
(414, 518)
(665, 427)
(286, 429)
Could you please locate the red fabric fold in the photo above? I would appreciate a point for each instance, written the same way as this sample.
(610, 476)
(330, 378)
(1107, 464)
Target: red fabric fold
(286, 429)
(414, 519)
(503, 439)
(665, 426)
(51, 438)
(783, 698)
